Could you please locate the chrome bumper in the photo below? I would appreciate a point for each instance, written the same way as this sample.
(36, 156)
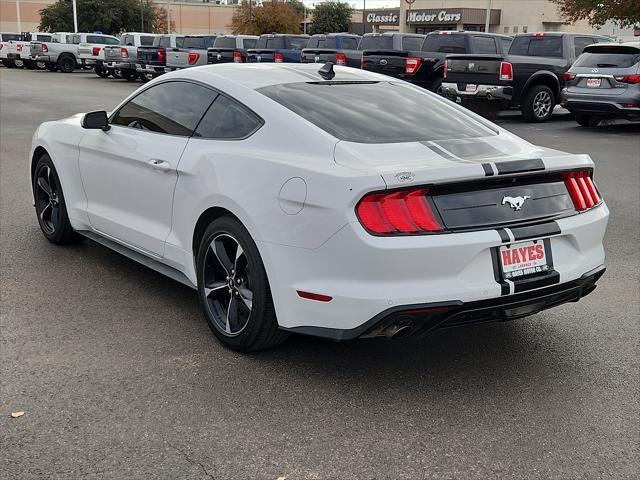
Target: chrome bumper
(489, 92)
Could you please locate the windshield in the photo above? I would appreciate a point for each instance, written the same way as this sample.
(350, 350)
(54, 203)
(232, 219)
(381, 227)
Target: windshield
(375, 112)
(376, 42)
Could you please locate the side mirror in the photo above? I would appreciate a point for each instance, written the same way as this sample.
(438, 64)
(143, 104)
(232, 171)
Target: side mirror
(96, 121)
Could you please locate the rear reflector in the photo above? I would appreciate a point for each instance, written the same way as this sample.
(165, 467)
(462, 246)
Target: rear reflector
(237, 57)
(506, 71)
(582, 190)
(45, 48)
(95, 51)
(124, 53)
(314, 296)
(411, 65)
(278, 58)
(341, 59)
(193, 58)
(397, 213)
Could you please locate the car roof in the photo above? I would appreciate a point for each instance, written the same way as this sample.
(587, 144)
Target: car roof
(257, 75)
(604, 46)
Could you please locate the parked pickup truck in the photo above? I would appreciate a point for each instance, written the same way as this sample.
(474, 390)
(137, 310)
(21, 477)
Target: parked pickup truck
(61, 53)
(231, 48)
(324, 47)
(193, 52)
(530, 76)
(381, 52)
(151, 61)
(425, 66)
(18, 51)
(5, 38)
(91, 49)
(278, 48)
(120, 61)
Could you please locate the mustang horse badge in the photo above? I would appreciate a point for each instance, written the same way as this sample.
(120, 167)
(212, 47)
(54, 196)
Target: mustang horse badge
(515, 202)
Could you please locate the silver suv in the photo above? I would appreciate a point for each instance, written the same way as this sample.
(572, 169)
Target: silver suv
(604, 82)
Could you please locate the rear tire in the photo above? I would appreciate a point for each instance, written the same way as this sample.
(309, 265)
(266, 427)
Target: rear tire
(101, 71)
(537, 104)
(116, 73)
(18, 63)
(41, 65)
(587, 120)
(146, 77)
(67, 64)
(233, 288)
(51, 208)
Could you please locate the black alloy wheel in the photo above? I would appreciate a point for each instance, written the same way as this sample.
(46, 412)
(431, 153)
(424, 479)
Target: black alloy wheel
(50, 205)
(234, 290)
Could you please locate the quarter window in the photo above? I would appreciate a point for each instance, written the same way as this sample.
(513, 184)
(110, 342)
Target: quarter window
(226, 119)
(174, 108)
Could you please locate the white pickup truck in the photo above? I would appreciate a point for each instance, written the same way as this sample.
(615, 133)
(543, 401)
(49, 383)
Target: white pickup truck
(5, 39)
(120, 61)
(19, 50)
(64, 56)
(91, 50)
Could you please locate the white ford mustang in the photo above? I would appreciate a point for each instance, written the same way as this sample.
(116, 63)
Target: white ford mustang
(340, 203)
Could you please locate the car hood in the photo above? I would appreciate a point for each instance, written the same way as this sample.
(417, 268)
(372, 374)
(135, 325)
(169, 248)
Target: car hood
(403, 164)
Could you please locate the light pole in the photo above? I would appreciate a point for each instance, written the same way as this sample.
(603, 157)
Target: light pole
(75, 17)
(250, 20)
(168, 18)
(141, 16)
(487, 16)
(18, 16)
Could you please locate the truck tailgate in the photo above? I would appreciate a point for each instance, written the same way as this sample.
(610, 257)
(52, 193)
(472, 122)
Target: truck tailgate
(178, 59)
(318, 55)
(388, 62)
(260, 55)
(114, 54)
(220, 55)
(477, 69)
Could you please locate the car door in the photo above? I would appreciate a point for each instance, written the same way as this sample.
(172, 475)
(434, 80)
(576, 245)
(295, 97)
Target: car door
(129, 172)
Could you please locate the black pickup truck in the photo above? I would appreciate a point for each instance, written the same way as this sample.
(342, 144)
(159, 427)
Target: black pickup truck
(382, 52)
(530, 76)
(324, 48)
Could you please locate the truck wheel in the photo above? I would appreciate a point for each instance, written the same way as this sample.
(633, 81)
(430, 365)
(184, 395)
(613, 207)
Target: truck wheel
(538, 103)
(8, 63)
(67, 64)
(52, 67)
(587, 120)
(101, 71)
(41, 65)
(146, 77)
(18, 63)
(116, 73)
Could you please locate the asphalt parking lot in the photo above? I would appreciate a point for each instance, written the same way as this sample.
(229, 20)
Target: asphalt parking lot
(120, 377)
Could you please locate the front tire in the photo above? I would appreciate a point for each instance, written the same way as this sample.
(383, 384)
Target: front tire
(51, 208)
(587, 120)
(538, 103)
(233, 288)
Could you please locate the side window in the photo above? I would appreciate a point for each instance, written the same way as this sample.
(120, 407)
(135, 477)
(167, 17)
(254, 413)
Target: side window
(412, 43)
(174, 108)
(43, 38)
(350, 43)
(579, 43)
(226, 119)
(482, 44)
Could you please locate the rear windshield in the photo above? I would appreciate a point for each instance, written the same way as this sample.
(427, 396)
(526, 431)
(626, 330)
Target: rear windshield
(270, 42)
(537, 46)
(608, 60)
(445, 43)
(322, 42)
(102, 40)
(297, 43)
(249, 43)
(374, 42)
(225, 42)
(195, 42)
(7, 37)
(375, 112)
(146, 40)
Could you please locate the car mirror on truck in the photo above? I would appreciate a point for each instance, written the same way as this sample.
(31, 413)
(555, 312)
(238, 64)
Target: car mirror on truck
(96, 121)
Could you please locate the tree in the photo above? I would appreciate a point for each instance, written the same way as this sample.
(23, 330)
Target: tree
(107, 16)
(624, 12)
(332, 16)
(269, 16)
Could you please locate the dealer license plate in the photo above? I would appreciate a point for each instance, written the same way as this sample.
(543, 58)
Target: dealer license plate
(594, 82)
(471, 87)
(523, 259)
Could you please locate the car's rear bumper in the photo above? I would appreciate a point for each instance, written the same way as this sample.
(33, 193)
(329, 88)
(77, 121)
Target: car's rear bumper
(615, 106)
(41, 58)
(371, 277)
(154, 69)
(485, 92)
(120, 65)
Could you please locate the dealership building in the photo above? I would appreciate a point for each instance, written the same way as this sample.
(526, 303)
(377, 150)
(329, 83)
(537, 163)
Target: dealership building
(507, 17)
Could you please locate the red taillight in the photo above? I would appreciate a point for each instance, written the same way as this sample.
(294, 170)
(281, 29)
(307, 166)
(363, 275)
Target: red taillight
(237, 57)
(124, 53)
(341, 59)
(193, 58)
(161, 55)
(19, 47)
(506, 71)
(444, 71)
(411, 65)
(95, 51)
(628, 78)
(567, 76)
(314, 296)
(278, 58)
(45, 48)
(582, 190)
(397, 213)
